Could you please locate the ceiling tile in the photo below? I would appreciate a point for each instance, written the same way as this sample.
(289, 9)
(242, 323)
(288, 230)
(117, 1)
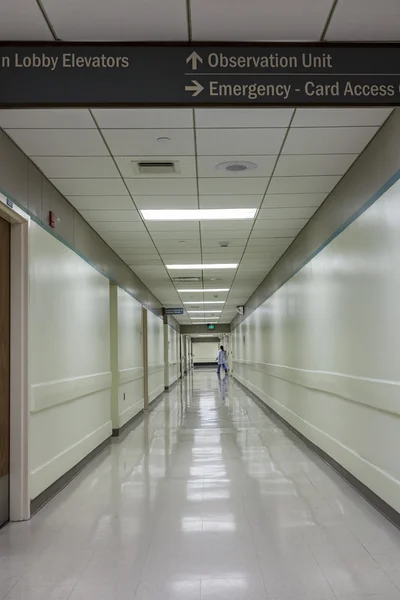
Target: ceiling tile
(144, 142)
(166, 202)
(46, 118)
(242, 117)
(207, 166)
(224, 234)
(233, 185)
(328, 140)
(23, 20)
(121, 20)
(172, 226)
(59, 142)
(190, 259)
(269, 243)
(101, 202)
(287, 234)
(185, 164)
(90, 187)
(158, 187)
(143, 118)
(365, 20)
(135, 226)
(77, 166)
(286, 213)
(340, 117)
(227, 225)
(296, 224)
(94, 216)
(258, 20)
(314, 164)
(287, 185)
(172, 236)
(239, 142)
(227, 201)
(293, 200)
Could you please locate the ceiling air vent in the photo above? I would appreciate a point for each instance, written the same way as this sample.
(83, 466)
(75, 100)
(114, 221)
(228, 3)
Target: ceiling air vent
(147, 167)
(186, 279)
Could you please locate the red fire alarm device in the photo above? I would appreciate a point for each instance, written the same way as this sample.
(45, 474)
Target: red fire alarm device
(52, 219)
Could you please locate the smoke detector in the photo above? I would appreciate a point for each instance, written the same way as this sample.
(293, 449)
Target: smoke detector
(236, 166)
(224, 244)
(151, 167)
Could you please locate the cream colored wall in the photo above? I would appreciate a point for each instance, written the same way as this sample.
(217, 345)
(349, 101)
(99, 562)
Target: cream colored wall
(324, 350)
(173, 355)
(69, 359)
(205, 352)
(130, 358)
(155, 335)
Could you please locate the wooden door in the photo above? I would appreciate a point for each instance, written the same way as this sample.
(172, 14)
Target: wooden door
(4, 369)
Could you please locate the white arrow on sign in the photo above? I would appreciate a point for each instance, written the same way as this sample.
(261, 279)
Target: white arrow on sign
(195, 58)
(196, 88)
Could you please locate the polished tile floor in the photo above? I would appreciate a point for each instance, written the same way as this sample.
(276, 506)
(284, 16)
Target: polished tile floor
(207, 499)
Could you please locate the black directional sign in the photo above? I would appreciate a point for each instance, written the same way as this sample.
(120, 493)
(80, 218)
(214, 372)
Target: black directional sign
(203, 75)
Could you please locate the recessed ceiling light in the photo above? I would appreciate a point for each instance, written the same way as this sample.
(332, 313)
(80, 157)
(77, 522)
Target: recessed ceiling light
(236, 166)
(206, 302)
(202, 214)
(212, 312)
(205, 290)
(208, 266)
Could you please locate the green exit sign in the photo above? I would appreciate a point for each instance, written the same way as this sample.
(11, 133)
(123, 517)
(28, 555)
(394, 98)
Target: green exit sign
(211, 326)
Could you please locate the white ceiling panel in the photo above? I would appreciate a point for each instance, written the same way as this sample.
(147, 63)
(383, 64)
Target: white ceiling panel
(90, 187)
(242, 117)
(314, 164)
(286, 213)
(328, 140)
(259, 20)
(340, 117)
(127, 226)
(236, 201)
(22, 20)
(143, 118)
(101, 202)
(49, 118)
(94, 216)
(121, 20)
(273, 233)
(224, 234)
(166, 202)
(172, 226)
(271, 243)
(280, 224)
(293, 200)
(176, 259)
(158, 187)
(227, 225)
(77, 166)
(186, 166)
(146, 142)
(239, 142)
(233, 185)
(173, 236)
(365, 20)
(207, 166)
(59, 142)
(287, 185)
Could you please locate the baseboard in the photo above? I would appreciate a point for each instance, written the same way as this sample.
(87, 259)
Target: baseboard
(168, 388)
(56, 487)
(380, 505)
(133, 422)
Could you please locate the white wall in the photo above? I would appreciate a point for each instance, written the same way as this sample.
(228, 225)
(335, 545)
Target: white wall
(130, 358)
(155, 346)
(69, 359)
(205, 352)
(324, 350)
(172, 366)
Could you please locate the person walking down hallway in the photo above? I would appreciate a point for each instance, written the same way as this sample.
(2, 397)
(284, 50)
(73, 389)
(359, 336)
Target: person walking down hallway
(222, 360)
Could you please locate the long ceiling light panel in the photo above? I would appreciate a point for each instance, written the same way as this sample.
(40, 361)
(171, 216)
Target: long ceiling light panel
(205, 214)
(211, 312)
(201, 267)
(204, 290)
(206, 302)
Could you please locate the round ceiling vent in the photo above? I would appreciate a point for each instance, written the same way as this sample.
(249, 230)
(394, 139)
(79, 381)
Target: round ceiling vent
(236, 166)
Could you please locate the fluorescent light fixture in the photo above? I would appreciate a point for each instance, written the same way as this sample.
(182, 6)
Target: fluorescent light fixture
(201, 267)
(204, 311)
(202, 214)
(204, 290)
(206, 302)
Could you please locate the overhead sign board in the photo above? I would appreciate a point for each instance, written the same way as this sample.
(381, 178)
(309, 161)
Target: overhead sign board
(113, 75)
(174, 311)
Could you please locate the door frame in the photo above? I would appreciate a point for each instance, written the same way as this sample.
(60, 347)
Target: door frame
(19, 386)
